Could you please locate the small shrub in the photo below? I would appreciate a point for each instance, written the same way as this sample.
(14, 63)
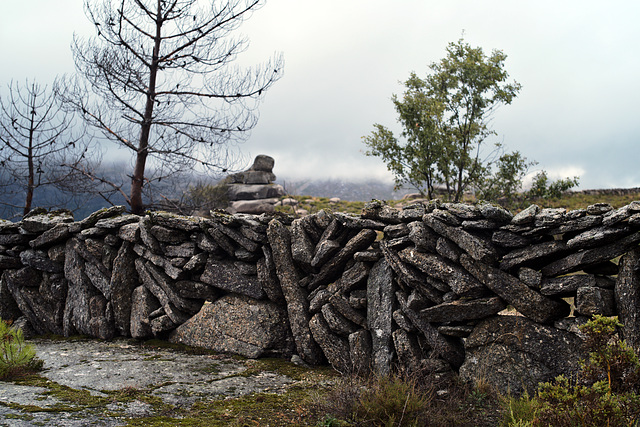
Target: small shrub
(16, 357)
(606, 394)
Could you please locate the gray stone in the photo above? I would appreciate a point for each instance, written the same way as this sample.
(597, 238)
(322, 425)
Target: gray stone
(495, 213)
(530, 277)
(254, 191)
(597, 237)
(509, 239)
(124, 279)
(410, 355)
(36, 222)
(117, 222)
(354, 276)
(460, 281)
(566, 285)
(43, 311)
(627, 297)
(514, 354)
(53, 235)
(178, 222)
(379, 211)
(592, 300)
(148, 239)
(130, 232)
(184, 250)
(380, 307)
(337, 322)
(549, 217)
(599, 208)
(478, 248)
(143, 303)
(450, 349)
(145, 270)
(580, 260)
(341, 304)
(196, 262)
(396, 231)
(335, 348)
(423, 237)
(461, 310)
(224, 274)
(533, 255)
(40, 261)
(530, 303)
(360, 351)
(160, 261)
(448, 249)
(526, 216)
(575, 224)
(463, 211)
(109, 212)
(302, 248)
(9, 310)
(294, 294)
(332, 269)
(263, 163)
(239, 325)
(414, 278)
(268, 277)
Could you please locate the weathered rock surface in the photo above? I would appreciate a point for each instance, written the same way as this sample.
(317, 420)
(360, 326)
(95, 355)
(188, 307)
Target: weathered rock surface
(514, 354)
(239, 325)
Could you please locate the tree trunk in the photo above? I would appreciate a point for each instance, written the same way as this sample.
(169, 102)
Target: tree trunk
(137, 180)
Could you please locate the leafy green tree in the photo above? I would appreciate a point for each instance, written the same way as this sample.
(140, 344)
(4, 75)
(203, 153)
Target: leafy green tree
(505, 184)
(445, 119)
(543, 188)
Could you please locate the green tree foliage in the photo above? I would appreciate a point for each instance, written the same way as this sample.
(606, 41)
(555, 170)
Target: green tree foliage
(445, 119)
(543, 188)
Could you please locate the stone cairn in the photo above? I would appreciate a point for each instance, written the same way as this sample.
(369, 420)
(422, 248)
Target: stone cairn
(442, 287)
(253, 191)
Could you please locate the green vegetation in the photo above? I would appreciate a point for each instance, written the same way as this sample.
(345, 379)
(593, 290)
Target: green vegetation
(16, 357)
(445, 119)
(605, 394)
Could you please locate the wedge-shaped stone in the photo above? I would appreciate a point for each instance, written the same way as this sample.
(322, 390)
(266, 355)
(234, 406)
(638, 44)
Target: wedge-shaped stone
(461, 310)
(590, 257)
(566, 285)
(449, 349)
(380, 305)
(223, 274)
(532, 255)
(335, 348)
(524, 299)
(333, 269)
(294, 294)
(476, 247)
(460, 281)
(627, 296)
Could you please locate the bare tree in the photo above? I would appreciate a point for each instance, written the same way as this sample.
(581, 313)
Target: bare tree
(157, 80)
(37, 140)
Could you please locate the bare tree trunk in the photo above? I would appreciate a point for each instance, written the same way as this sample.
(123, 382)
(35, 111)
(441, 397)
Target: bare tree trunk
(30, 177)
(137, 181)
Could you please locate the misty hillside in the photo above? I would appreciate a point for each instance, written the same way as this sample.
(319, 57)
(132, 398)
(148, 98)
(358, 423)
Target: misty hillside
(356, 191)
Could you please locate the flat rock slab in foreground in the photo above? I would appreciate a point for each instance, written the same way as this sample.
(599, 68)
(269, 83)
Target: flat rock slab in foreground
(177, 378)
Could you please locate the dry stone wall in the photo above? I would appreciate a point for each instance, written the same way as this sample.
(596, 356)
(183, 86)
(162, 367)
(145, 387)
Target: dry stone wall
(442, 287)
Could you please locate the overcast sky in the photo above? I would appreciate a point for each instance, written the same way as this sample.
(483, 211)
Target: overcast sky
(578, 62)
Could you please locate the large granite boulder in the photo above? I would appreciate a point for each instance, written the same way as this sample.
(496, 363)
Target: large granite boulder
(240, 325)
(514, 354)
(253, 190)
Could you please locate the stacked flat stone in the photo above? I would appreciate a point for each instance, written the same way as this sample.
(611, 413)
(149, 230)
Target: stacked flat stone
(437, 286)
(253, 190)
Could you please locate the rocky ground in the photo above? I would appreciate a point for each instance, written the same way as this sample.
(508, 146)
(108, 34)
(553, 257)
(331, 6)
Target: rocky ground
(124, 382)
